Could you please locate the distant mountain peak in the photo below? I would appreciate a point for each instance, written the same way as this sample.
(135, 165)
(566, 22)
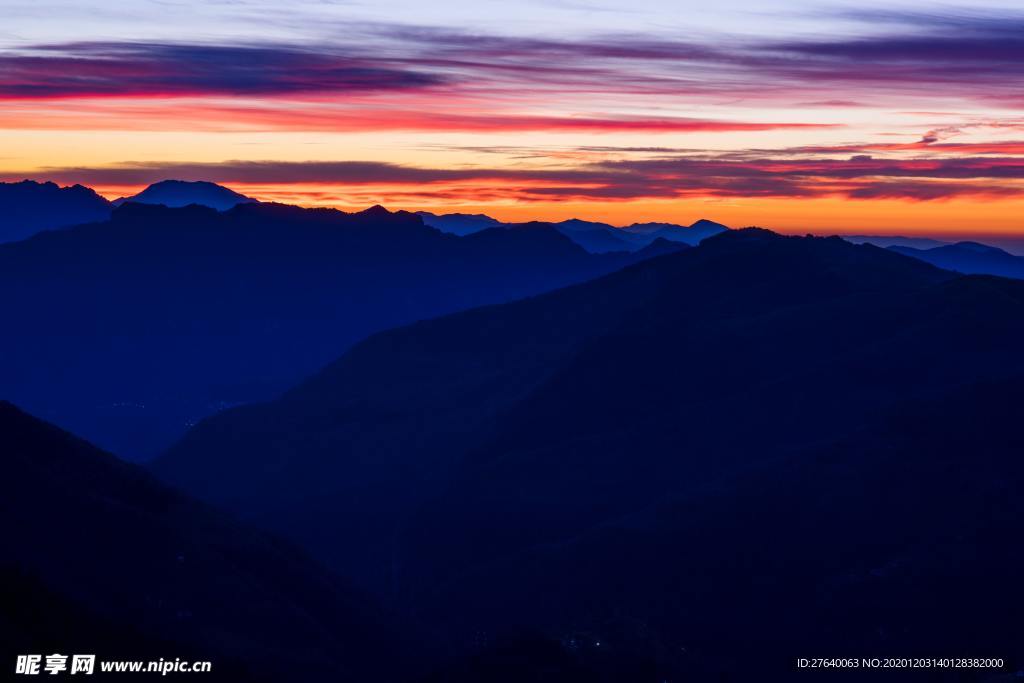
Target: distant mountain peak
(459, 223)
(580, 224)
(375, 210)
(30, 206)
(750, 234)
(595, 237)
(979, 247)
(29, 182)
(178, 193)
(969, 258)
(661, 246)
(887, 241)
(172, 183)
(705, 223)
(686, 234)
(50, 186)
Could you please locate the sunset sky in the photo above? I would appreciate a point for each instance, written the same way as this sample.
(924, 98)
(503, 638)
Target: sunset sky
(808, 116)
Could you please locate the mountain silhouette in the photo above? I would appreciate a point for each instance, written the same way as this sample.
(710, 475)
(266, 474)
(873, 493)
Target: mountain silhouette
(128, 331)
(693, 460)
(692, 234)
(595, 237)
(29, 207)
(886, 241)
(713, 582)
(661, 246)
(444, 448)
(179, 193)
(970, 258)
(99, 557)
(709, 227)
(458, 223)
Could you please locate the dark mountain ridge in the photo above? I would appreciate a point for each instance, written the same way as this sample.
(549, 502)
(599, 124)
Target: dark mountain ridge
(458, 223)
(99, 557)
(886, 241)
(28, 207)
(691, 234)
(589, 462)
(593, 236)
(126, 331)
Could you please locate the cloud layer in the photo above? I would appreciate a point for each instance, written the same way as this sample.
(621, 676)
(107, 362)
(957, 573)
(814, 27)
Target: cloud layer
(964, 56)
(155, 69)
(768, 116)
(660, 177)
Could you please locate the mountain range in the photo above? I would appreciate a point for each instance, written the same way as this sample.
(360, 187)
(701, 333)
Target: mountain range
(28, 207)
(593, 236)
(886, 241)
(690, 468)
(499, 457)
(969, 258)
(127, 330)
(159, 316)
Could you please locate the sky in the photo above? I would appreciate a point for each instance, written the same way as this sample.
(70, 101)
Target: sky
(868, 117)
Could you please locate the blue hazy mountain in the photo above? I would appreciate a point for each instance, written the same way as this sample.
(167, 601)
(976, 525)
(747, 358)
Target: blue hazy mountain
(569, 461)
(886, 241)
(595, 237)
(458, 223)
(969, 257)
(639, 463)
(128, 331)
(28, 207)
(179, 193)
(692, 234)
(100, 557)
(501, 357)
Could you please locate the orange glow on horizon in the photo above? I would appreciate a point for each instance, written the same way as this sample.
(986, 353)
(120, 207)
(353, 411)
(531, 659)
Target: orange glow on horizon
(873, 128)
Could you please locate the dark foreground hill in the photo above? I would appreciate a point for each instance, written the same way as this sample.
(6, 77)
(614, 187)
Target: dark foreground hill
(129, 330)
(29, 207)
(100, 558)
(708, 464)
(894, 542)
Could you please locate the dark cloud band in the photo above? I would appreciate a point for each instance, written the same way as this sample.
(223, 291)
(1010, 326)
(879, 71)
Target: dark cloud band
(860, 177)
(924, 55)
(157, 69)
